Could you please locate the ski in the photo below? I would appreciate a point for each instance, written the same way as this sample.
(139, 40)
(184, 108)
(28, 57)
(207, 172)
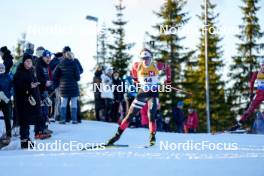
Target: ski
(149, 146)
(103, 146)
(240, 131)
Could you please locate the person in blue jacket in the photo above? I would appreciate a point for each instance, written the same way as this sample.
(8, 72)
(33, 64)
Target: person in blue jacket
(5, 103)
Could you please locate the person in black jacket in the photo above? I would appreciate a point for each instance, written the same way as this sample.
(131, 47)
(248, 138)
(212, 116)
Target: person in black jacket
(68, 49)
(98, 101)
(46, 86)
(119, 99)
(56, 98)
(55, 61)
(5, 53)
(27, 97)
(67, 75)
(179, 117)
(68, 116)
(29, 49)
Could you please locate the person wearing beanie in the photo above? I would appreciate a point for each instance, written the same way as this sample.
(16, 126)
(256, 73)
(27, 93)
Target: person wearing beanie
(39, 51)
(58, 57)
(29, 51)
(29, 48)
(179, 117)
(5, 104)
(192, 121)
(5, 53)
(28, 101)
(46, 86)
(66, 49)
(107, 94)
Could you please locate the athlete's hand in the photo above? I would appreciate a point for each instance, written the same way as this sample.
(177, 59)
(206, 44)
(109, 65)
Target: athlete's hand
(167, 82)
(48, 83)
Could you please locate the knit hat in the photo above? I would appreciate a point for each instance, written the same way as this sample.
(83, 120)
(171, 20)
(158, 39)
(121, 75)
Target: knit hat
(5, 50)
(58, 54)
(26, 57)
(66, 49)
(109, 70)
(46, 53)
(39, 51)
(180, 103)
(145, 53)
(29, 48)
(40, 48)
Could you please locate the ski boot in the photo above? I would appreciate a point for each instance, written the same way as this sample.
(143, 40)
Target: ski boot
(27, 144)
(115, 138)
(4, 141)
(42, 135)
(237, 126)
(152, 140)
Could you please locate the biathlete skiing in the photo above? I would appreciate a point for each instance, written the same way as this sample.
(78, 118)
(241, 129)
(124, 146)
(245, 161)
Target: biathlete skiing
(146, 75)
(255, 100)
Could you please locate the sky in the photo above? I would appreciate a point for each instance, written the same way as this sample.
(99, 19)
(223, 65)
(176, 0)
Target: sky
(56, 23)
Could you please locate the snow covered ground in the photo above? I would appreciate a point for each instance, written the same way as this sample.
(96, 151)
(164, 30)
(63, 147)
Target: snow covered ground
(246, 158)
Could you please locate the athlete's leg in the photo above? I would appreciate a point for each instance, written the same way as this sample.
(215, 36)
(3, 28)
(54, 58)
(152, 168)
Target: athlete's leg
(254, 104)
(152, 112)
(135, 107)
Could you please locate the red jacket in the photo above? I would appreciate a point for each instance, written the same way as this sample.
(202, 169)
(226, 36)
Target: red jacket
(192, 121)
(252, 81)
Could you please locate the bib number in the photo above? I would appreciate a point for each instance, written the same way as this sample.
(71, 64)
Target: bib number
(148, 80)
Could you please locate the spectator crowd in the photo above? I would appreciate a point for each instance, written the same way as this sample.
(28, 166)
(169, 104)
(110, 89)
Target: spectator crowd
(38, 88)
(42, 87)
(111, 105)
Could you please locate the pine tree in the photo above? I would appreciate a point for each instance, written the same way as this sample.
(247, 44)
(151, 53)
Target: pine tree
(168, 46)
(102, 48)
(248, 53)
(119, 57)
(20, 47)
(195, 75)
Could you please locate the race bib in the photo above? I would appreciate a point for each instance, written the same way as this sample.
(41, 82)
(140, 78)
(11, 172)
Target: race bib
(260, 84)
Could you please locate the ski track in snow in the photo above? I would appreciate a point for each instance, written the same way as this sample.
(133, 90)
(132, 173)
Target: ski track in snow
(248, 158)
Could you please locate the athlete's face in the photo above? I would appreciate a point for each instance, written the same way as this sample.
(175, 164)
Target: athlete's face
(147, 61)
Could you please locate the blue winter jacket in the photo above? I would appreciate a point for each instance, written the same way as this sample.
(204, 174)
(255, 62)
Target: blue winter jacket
(6, 84)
